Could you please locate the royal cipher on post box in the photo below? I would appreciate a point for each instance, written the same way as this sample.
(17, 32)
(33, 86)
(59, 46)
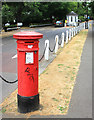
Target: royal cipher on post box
(27, 61)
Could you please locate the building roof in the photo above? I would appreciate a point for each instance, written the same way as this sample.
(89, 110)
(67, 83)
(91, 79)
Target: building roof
(72, 13)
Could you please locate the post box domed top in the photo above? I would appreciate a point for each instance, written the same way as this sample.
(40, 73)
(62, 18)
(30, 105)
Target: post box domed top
(28, 35)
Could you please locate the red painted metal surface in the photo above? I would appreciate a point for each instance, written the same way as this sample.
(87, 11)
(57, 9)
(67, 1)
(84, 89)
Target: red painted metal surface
(28, 35)
(27, 43)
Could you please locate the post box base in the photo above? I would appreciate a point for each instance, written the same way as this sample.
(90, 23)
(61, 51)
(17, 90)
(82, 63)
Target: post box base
(27, 104)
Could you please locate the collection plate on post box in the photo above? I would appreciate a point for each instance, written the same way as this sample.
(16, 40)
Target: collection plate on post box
(30, 46)
(29, 57)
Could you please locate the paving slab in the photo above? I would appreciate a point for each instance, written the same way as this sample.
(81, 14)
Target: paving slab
(81, 102)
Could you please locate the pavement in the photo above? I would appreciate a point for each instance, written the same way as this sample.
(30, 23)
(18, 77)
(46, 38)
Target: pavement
(81, 102)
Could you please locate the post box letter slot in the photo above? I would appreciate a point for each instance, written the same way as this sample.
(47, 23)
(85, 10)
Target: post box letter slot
(29, 57)
(29, 42)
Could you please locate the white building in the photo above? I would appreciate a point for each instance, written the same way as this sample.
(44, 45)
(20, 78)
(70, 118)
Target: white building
(72, 18)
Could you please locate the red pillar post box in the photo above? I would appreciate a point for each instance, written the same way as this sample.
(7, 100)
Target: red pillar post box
(27, 52)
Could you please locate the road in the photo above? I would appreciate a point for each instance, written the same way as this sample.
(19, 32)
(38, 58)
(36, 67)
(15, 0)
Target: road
(9, 61)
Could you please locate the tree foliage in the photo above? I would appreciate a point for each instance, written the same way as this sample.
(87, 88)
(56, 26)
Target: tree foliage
(91, 6)
(35, 12)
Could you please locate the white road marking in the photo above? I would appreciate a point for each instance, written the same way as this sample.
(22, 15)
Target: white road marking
(15, 56)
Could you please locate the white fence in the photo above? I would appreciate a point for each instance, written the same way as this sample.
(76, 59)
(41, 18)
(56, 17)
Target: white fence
(65, 38)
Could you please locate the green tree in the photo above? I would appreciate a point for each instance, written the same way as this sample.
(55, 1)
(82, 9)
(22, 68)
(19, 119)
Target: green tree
(36, 12)
(91, 7)
(31, 13)
(17, 9)
(7, 15)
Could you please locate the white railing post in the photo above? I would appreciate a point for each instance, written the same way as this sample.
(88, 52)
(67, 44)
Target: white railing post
(75, 30)
(84, 25)
(64, 24)
(79, 26)
(88, 25)
(47, 49)
(79, 29)
(56, 41)
(66, 36)
(62, 44)
(72, 33)
(69, 34)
